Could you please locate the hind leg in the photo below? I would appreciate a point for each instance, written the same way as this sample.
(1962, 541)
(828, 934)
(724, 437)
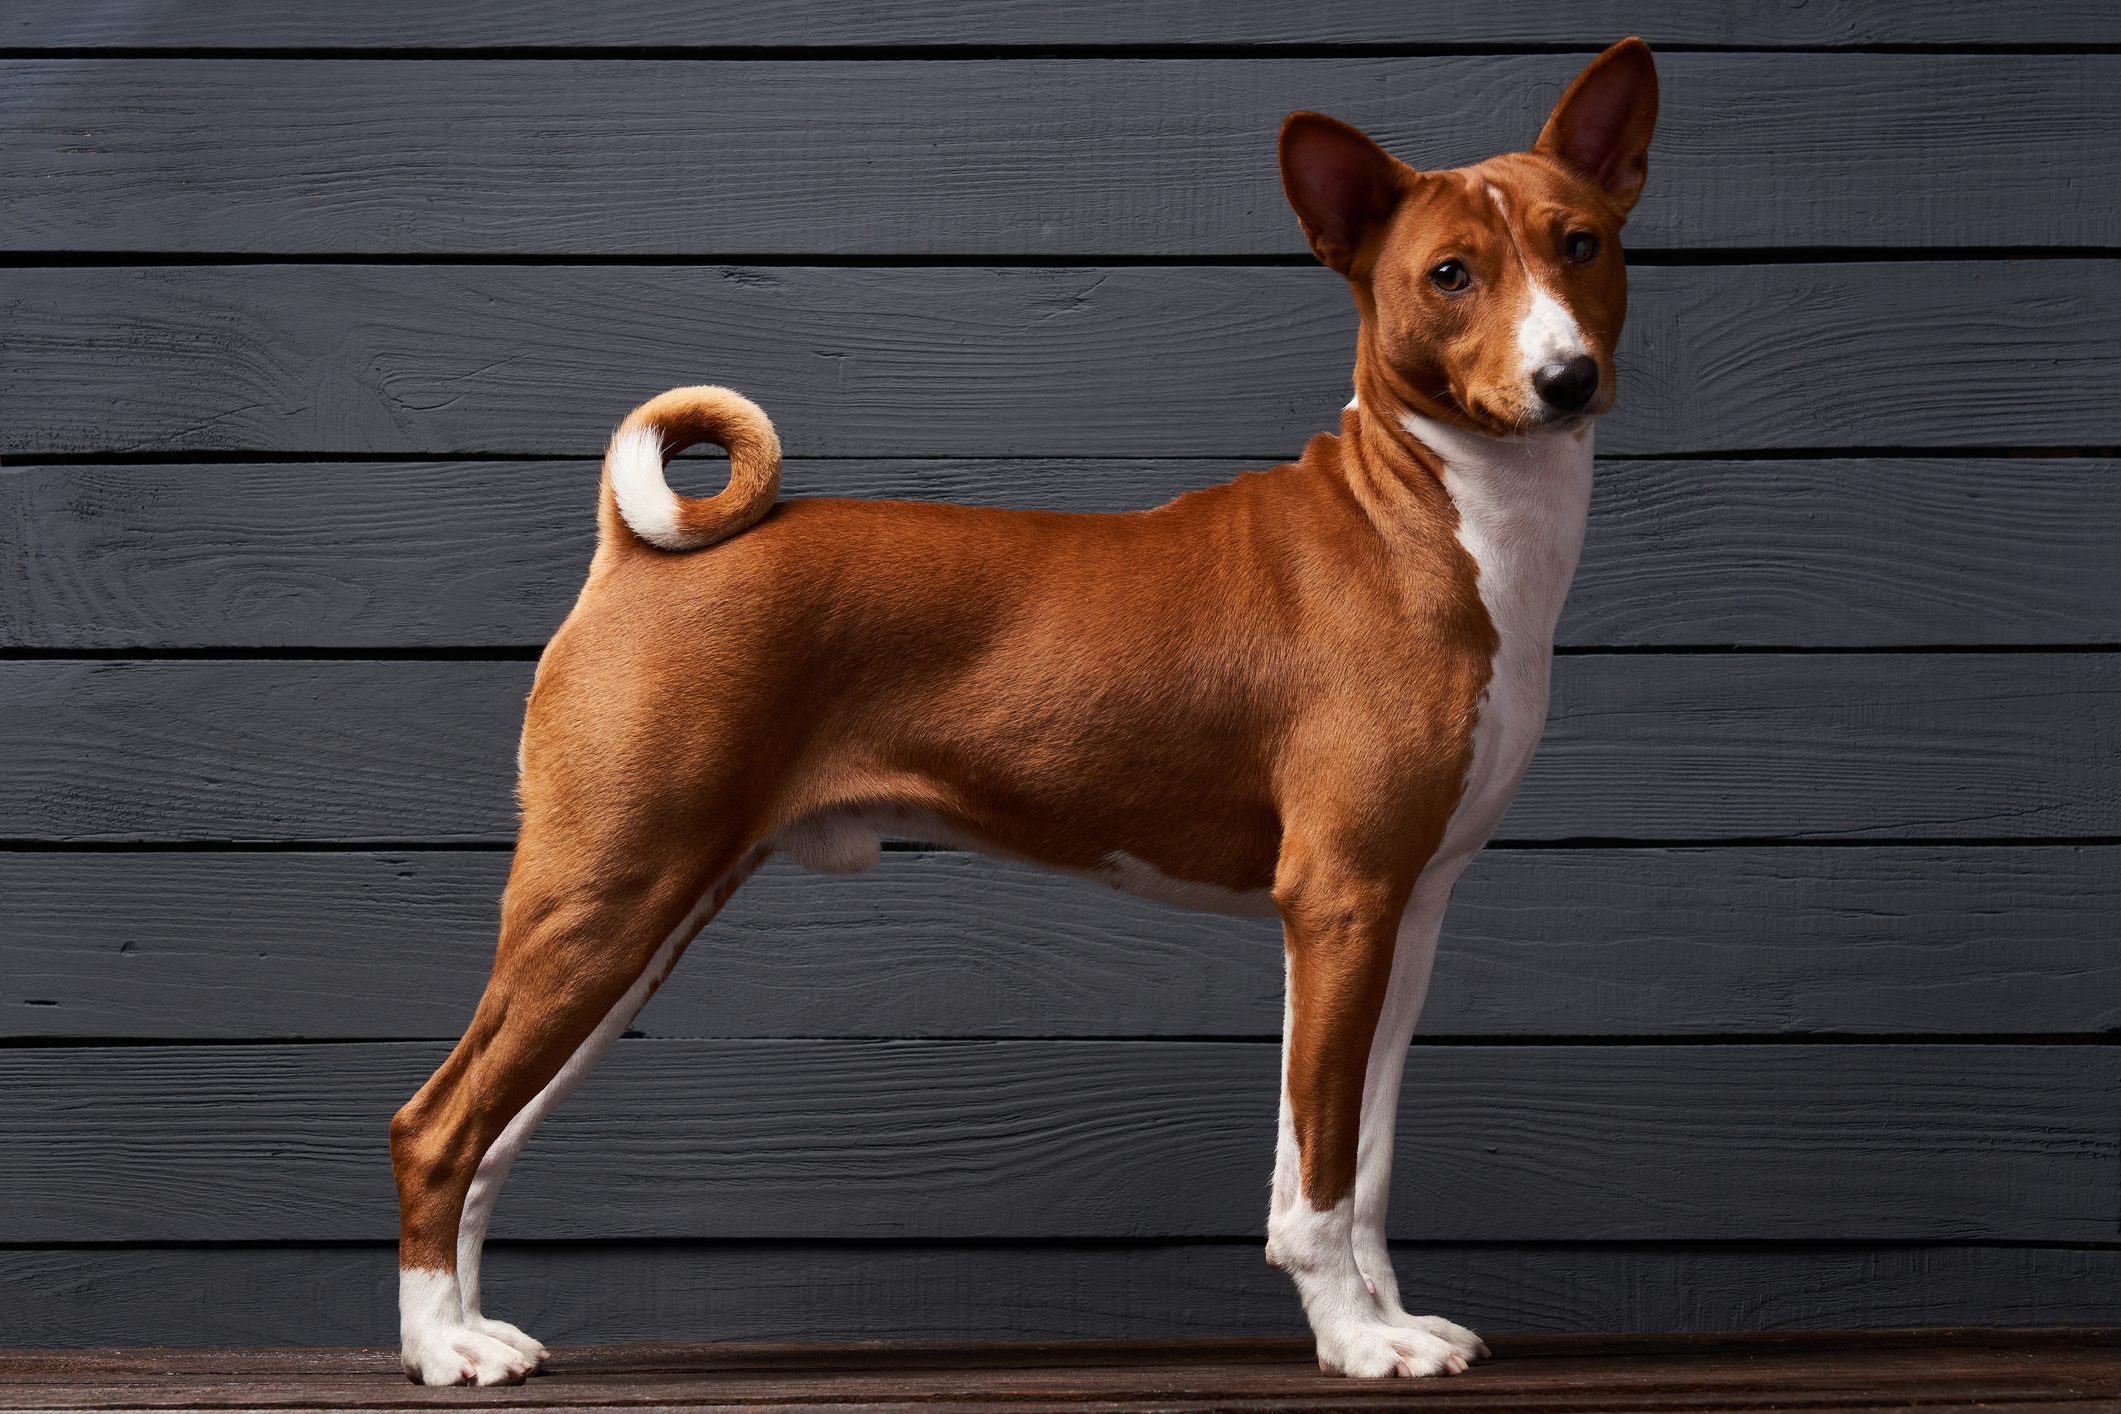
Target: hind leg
(594, 918)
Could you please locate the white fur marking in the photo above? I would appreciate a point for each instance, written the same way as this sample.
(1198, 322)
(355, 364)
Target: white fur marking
(463, 1297)
(646, 502)
(1521, 507)
(439, 1347)
(1521, 504)
(1317, 1250)
(1413, 955)
(495, 1162)
(1546, 331)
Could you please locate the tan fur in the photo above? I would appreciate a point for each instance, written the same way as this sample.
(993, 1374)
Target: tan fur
(686, 417)
(1267, 685)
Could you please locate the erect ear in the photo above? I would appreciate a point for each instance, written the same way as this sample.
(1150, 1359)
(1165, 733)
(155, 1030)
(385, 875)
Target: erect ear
(1341, 184)
(1603, 123)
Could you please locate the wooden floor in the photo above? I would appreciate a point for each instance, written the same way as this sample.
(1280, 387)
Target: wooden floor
(1937, 1372)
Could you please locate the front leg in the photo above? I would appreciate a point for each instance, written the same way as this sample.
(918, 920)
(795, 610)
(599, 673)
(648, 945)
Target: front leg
(1413, 955)
(1339, 924)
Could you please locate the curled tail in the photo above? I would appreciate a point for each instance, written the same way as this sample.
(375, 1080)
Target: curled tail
(668, 424)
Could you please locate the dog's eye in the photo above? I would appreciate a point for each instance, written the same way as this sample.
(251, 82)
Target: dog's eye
(1451, 277)
(1581, 247)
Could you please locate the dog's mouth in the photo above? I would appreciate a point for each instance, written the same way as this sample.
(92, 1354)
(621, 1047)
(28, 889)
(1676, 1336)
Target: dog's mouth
(1568, 422)
(1534, 422)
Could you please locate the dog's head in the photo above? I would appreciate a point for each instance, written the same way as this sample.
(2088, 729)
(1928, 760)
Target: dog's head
(1492, 295)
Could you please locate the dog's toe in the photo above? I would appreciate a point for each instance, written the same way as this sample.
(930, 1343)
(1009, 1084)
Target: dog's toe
(513, 1336)
(460, 1355)
(1467, 1344)
(1374, 1350)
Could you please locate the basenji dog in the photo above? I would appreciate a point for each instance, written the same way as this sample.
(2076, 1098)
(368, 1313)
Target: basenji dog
(1310, 691)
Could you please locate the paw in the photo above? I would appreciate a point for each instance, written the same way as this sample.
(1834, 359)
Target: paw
(459, 1355)
(1471, 1346)
(1376, 1351)
(529, 1345)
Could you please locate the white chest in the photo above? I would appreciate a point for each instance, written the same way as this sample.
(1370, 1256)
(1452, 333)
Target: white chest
(1521, 506)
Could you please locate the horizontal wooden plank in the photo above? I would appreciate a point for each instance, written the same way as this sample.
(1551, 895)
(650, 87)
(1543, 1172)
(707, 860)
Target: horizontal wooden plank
(419, 553)
(1659, 1362)
(1031, 157)
(1843, 1372)
(1948, 1371)
(1540, 942)
(569, 1293)
(2046, 1372)
(1835, 553)
(1850, 553)
(1224, 361)
(1657, 748)
(977, 1139)
(396, 24)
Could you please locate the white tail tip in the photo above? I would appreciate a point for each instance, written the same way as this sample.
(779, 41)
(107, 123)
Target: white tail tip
(646, 502)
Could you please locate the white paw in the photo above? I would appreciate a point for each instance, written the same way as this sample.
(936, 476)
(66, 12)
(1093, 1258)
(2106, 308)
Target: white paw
(1449, 1332)
(459, 1355)
(529, 1345)
(1372, 1350)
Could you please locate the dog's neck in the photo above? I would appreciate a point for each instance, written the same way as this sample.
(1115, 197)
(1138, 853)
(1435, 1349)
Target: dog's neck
(1399, 449)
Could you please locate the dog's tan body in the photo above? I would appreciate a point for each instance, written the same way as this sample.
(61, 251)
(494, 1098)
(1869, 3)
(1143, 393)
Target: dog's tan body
(1279, 693)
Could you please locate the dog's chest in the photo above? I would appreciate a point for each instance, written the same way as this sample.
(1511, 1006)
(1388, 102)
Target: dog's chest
(1521, 508)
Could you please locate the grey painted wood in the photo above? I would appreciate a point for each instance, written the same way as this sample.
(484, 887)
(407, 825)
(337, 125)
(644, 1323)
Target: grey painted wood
(396, 24)
(1660, 748)
(570, 1293)
(388, 554)
(925, 1139)
(1850, 553)
(2003, 941)
(1833, 553)
(1240, 362)
(1088, 1184)
(1033, 157)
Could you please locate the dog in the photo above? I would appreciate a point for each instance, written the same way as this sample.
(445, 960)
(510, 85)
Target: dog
(1310, 691)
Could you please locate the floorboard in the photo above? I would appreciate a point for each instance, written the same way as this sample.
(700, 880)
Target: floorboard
(1928, 1370)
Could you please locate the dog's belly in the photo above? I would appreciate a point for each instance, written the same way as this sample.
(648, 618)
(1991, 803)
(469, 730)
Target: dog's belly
(848, 841)
(1144, 880)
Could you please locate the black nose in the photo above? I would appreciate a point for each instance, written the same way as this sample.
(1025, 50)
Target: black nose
(1567, 386)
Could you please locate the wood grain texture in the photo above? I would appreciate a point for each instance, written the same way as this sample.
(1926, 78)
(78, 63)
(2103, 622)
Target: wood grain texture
(1048, 1110)
(1232, 361)
(1656, 748)
(1854, 552)
(396, 24)
(1110, 1139)
(1540, 942)
(1989, 1371)
(575, 1292)
(1078, 158)
(1638, 1362)
(1850, 553)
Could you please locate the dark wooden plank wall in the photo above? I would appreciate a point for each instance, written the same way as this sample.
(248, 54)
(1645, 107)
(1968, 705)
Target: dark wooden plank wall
(1789, 998)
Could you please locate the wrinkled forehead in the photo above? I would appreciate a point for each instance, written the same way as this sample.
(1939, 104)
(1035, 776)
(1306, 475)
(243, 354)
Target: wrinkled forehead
(1514, 194)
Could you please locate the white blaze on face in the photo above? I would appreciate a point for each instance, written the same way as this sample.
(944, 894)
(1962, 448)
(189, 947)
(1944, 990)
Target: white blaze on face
(1546, 331)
